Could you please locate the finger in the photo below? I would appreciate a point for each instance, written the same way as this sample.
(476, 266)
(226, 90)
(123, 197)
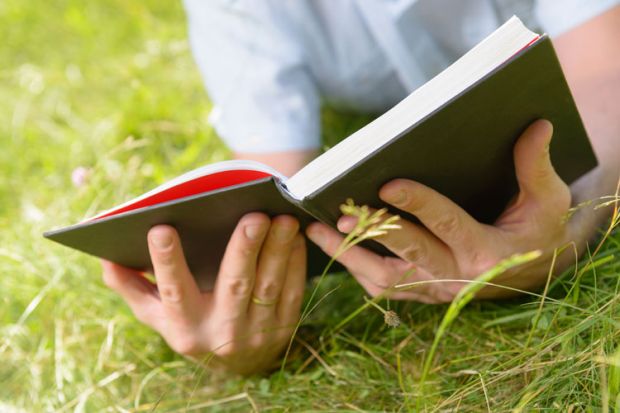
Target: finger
(271, 269)
(422, 286)
(442, 217)
(292, 295)
(235, 280)
(374, 273)
(177, 288)
(411, 242)
(138, 292)
(421, 294)
(400, 272)
(356, 259)
(538, 181)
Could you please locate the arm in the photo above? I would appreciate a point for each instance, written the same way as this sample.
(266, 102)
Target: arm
(286, 162)
(592, 70)
(265, 102)
(452, 248)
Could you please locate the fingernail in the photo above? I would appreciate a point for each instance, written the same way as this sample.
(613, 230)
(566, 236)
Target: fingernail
(253, 231)
(161, 240)
(315, 235)
(396, 197)
(346, 224)
(283, 233)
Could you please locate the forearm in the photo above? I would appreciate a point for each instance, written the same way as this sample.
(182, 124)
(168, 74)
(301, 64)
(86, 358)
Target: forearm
(592, 70)
(593, 74)
(286, 163)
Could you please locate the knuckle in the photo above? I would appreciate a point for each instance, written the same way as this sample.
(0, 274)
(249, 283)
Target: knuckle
(415, 252)
(383, 282)
(480, 262)
(268, 290)
(420, 198)
(393, 271)
(544, 172)
(240, 287)
(171, 292)
(448, 224)
(477, 259)
(412, 203)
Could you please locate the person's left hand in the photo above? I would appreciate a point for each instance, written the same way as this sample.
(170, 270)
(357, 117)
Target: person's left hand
(247, 320)
(451, 245)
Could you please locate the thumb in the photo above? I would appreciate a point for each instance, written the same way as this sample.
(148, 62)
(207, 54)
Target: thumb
(535, 173)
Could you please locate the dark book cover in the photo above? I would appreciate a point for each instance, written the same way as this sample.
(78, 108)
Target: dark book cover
(464, 150)
(204, 222)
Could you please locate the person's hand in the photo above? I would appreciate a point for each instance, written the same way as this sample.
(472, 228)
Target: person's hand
(451, 245)
(248, 318)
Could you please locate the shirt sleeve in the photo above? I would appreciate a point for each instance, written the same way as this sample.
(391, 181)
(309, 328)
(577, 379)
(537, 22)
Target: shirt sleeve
(559, 16)
(263, 94)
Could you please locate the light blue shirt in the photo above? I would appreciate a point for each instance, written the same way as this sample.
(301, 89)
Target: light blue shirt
(268, 65)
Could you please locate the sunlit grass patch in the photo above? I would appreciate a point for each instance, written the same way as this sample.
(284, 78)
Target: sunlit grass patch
(110, 89)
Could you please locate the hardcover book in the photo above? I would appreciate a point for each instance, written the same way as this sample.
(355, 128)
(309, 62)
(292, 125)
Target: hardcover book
(455, 134)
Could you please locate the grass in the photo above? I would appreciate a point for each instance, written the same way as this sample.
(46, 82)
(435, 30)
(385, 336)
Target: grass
(111, 87)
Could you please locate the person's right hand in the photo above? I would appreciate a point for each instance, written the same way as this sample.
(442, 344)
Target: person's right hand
(247, 320)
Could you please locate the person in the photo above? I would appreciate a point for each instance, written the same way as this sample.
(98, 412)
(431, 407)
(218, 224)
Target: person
(268, 67)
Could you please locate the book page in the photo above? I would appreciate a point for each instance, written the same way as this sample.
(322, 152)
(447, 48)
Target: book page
(490, 53)
(201, 180)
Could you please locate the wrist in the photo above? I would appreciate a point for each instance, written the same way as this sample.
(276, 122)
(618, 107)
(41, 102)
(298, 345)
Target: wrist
(588, 194)
(287, 162)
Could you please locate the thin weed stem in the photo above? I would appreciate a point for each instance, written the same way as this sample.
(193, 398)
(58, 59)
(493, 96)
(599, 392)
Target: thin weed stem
(464, 296)
(369, 225)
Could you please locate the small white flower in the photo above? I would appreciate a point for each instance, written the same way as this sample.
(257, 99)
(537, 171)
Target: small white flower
(80, 176)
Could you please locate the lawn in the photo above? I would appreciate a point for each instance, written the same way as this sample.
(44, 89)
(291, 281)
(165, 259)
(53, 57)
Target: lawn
(109, 89)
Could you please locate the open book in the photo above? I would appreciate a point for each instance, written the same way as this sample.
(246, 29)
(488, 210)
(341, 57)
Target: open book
(455, 134)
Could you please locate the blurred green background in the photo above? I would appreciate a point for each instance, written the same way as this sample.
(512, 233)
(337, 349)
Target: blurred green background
(101, 101)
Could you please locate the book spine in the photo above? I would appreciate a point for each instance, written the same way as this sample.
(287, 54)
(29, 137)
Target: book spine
(319, 214)
(306, 205)
(317, 259)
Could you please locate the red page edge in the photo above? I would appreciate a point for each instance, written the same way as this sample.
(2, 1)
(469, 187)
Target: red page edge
(189, 188)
